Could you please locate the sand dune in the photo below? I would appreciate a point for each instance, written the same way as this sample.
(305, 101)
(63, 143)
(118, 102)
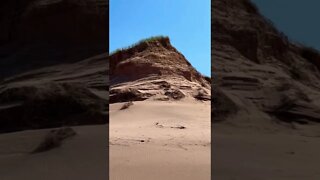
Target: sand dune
(160, 140)
(266, 98)
(165, 132)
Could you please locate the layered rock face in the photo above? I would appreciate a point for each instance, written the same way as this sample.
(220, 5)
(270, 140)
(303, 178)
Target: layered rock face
(62, 95)
(53, 63)
(154, 69)
(260, 76)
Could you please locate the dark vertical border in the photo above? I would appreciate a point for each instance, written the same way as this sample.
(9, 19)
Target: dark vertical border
(108, 85)
(212, 90)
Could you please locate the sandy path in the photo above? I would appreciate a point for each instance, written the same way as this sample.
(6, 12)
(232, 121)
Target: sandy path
(160, 140)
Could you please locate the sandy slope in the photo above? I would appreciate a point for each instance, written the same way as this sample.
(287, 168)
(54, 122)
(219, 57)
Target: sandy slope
(147, 141)
(255, 154)
(81, 157)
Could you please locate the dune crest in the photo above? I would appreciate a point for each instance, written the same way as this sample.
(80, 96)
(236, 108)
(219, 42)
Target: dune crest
(154, 69)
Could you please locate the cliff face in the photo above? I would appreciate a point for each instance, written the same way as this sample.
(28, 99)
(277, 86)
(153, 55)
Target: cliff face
(154, 69)
(260, 76)
(53, 63)
(69, 21)
(37, 33)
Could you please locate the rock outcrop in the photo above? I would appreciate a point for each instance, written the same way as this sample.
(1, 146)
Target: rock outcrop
(154, 69)
(260, 75)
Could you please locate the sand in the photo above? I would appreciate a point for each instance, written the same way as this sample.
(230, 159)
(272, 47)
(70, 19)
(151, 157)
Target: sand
(149, 140)
(253, 154)
(81, 157)
(160, 140)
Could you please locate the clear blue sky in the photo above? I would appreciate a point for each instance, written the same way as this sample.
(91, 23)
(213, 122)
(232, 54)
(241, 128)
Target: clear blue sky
(298, 19)
(186, 22)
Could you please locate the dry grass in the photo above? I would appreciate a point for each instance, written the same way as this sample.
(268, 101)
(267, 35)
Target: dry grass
(54, 139)
(126, 105)
(150, 39)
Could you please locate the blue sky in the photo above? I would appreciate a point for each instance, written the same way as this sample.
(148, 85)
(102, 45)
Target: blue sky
(298, 19)
(186, 22)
